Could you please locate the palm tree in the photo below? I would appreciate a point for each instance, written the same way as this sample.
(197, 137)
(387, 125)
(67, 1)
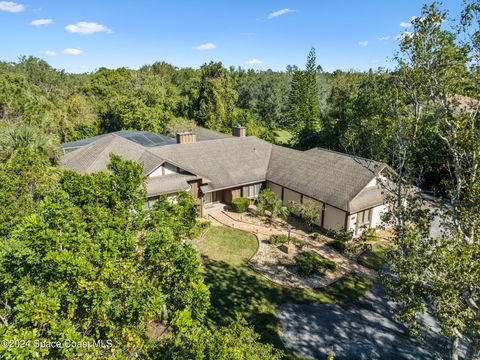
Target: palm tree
(28, 137)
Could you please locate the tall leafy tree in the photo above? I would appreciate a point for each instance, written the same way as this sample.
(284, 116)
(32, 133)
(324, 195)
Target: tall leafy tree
(217, 97)
(437, 75)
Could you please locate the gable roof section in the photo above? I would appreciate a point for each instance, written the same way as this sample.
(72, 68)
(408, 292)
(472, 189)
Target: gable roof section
(331, 177)
(96, 155)
(225, 162)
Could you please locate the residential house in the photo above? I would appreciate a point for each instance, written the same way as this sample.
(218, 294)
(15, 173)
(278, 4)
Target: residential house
(216, 167)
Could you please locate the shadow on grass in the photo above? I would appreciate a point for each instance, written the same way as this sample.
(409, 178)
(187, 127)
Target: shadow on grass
(238, 289)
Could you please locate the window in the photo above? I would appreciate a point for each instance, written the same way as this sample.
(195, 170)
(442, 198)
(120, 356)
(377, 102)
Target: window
(363, 218)
(251, 191)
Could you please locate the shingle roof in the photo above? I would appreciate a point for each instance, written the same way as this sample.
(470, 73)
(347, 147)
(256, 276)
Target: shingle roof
(168, 184)
(207, 134)
(225, 162)
(95, 156)
(328, 176)
(331, 177)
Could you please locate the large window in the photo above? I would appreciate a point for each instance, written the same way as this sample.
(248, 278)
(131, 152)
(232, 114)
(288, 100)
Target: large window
(363, 218)
(251, 191)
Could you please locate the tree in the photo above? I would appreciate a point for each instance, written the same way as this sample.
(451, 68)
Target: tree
(217, 97)
(309, 211)
(28, 137)
(65, 276)
(435, 72)
(303, 104)
(269, 204)
(236, 341)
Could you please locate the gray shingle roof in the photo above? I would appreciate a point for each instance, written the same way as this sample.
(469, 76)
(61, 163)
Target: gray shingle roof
(328, 176)
(334, 178)
(168, 184)
(207, 134)
(95, 156)
(225, 162)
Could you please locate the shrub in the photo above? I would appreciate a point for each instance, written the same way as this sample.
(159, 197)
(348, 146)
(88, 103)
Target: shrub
(315, 235)
(369, 234)
(278, 239)
(281, 239)
(199, 228)
(341, 235)
(338, 245)
(307, 263)
(328, 264)
(240, 205)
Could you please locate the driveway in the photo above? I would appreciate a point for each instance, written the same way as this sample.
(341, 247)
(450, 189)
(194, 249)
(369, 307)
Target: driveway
(363, 329)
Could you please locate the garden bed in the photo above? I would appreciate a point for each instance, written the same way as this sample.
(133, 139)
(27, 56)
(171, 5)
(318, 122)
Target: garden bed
(280, 268)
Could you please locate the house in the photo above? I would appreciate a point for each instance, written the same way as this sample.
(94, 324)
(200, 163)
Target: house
(216, 167)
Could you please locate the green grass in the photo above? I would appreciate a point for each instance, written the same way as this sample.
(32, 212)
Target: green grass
(236, 288)
(374, 258)
(282, 136)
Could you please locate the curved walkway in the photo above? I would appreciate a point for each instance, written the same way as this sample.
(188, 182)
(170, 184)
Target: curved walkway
(346, 265)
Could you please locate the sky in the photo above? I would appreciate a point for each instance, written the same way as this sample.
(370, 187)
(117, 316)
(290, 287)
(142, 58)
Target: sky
(81, 36)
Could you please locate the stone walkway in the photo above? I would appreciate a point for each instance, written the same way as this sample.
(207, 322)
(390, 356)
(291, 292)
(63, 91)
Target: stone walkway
(277, 274)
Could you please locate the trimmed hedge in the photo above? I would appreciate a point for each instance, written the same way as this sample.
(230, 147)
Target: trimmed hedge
(338, 245)
(240, 204)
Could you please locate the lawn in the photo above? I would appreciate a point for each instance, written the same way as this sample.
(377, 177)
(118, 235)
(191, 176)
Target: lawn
(236, 288)
(374, 258)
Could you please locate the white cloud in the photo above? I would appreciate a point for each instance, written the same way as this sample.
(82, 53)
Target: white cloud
(87, 28)
(206, 46)
(11, 6)
(50, 53)
(280, 13)
(72, 51)
(383, 38)
(363, 43)
(254, 62)
(405, 24)
(41, 22)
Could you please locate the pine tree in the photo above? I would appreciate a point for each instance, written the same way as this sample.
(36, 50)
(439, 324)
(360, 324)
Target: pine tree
(303, 104)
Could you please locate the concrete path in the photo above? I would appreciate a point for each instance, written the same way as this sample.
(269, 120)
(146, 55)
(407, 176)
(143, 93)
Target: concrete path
(363, 329)
(346, 264)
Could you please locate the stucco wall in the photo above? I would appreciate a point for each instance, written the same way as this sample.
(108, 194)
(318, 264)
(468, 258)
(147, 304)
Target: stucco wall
(316, 203)
(352, 223)
(376, 215)
(334, 219)
(289, 195)
(277, 189)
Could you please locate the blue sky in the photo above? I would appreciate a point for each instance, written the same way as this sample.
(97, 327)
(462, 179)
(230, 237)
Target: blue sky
(81, 36)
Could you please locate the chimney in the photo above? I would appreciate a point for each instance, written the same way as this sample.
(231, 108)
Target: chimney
(239, 131)
(186, 137)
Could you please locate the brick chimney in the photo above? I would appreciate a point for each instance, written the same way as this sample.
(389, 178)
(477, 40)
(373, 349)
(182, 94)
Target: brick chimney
(239, 131)
(186, 137)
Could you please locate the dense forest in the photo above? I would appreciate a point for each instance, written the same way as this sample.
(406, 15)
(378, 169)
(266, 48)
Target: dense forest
(80, 260)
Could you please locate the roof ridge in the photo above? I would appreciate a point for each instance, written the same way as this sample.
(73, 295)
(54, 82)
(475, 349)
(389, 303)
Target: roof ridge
(344, 154)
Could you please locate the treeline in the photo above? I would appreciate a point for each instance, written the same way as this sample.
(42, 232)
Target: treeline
(343, 111)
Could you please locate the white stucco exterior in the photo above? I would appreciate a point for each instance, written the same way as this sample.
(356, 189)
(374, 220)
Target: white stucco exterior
(334, 219)
(377, 215)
